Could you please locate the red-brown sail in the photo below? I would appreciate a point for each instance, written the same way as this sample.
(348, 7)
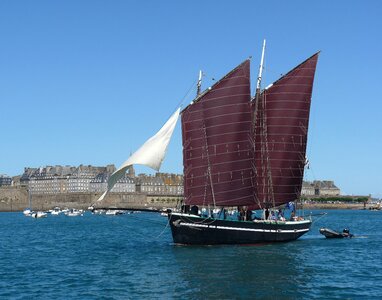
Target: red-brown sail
(281, 124)
(217, 149)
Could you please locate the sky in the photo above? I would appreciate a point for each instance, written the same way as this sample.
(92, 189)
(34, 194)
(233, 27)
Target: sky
(87, 82)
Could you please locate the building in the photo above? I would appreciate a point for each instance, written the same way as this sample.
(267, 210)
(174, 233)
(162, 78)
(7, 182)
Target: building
(79, 180)
(47, 180)
(61, 179)
(5, 180)
(160, 184)
(124, 185)
(307, 189)
(326, 188)
(320, 188)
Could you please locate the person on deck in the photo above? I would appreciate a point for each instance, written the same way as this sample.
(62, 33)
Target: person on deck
(266, 214)
(280, 215)
(241, 214)
(248, 215)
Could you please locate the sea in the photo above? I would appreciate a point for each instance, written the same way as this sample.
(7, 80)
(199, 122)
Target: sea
(132, 256)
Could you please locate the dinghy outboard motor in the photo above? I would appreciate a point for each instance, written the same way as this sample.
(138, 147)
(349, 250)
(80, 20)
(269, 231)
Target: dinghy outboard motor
(346, 233)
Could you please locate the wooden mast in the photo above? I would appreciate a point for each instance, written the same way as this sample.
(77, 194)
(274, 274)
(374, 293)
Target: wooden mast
(264, 139)
(258, 85)
(199, 83)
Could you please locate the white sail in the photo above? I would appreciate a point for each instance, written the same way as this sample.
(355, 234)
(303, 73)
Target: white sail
(150, 154)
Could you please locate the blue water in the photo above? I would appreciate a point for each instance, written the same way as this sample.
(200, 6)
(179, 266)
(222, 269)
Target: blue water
(132, 256)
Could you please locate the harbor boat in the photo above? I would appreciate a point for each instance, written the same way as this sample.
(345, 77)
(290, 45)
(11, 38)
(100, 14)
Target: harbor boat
(38, 214)
(98, 211)
(65, 210)
(240, 152)
(330, 233)
(114, 212)
(28, 211)
(74, 212)
(376, 207)
(55, 211)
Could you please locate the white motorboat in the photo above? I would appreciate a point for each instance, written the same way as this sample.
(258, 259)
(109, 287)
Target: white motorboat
(98, 211)
(27, 212)
(74, 212)
(38, 214)
(55, 211)
(114, 212)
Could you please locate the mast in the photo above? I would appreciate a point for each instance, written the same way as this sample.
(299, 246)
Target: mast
(199, 85)
(29, 198)
(261, 144)
(264, 143)
(209, 168)
(258, 85)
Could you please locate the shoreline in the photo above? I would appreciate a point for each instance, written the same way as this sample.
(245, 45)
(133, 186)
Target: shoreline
(351, 206)
(321, 206)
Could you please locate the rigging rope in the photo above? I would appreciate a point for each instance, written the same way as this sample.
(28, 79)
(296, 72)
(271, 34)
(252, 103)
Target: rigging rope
(180, 103)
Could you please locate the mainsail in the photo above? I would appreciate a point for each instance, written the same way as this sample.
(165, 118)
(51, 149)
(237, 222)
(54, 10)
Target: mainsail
(217, 152)
(150, 154)
(281, 125)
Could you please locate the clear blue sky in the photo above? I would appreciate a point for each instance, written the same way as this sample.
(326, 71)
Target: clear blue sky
(87, 82)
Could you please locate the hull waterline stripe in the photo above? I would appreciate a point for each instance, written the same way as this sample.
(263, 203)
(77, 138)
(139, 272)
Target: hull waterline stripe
(242, 229)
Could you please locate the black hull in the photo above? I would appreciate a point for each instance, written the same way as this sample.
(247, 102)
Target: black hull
(193, 230)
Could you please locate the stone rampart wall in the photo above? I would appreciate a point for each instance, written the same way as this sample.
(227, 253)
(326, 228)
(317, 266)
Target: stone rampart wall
(16, 199)
(13, 199)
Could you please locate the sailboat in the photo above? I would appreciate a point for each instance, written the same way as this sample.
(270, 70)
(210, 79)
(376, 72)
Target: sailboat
(246, 153)
(240, 152)
(28, 211)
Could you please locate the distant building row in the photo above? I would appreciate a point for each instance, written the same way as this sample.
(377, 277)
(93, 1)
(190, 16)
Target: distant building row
(84, 179)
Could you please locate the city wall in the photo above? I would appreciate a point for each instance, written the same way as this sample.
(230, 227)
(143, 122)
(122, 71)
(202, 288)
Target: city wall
(13, 199)
(16, 199)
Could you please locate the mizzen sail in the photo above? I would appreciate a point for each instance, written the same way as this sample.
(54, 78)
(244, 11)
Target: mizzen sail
(150, 154)
(281, 115)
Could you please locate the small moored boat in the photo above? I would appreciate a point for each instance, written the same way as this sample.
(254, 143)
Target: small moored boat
(74, 212)
(38, 214)
(56, 211)
(329, 233)
(114, 212)
(27, 212)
